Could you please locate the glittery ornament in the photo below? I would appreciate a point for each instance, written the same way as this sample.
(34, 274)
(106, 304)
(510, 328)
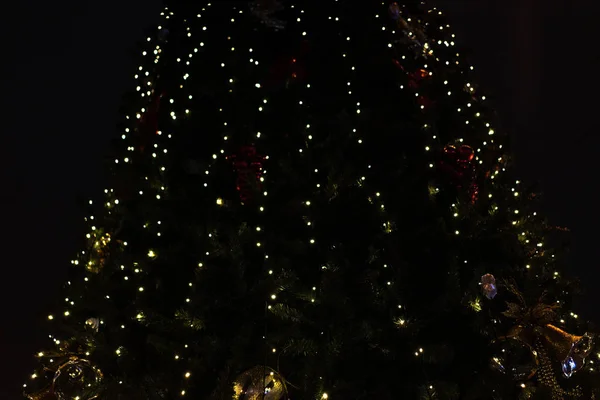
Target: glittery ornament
(259, 383)
(488, 286)
(99, 243)
(513, 357)
(457, 163)
(93, 324)
(550, 344)
(248, 165)
(77, 379)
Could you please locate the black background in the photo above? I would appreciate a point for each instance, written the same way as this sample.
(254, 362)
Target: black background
(67, 63)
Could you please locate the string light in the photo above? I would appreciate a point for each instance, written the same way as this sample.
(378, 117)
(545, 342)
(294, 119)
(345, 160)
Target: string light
(436, 52)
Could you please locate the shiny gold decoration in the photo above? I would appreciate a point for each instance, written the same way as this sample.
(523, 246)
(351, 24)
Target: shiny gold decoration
(562, 342)
(99, 244)
(557, 339)
(534, 327)
(152, 254)
(77, 379)
(571, 350)
(539, 314)
(259, 383)
(44, 394)
(93, 324)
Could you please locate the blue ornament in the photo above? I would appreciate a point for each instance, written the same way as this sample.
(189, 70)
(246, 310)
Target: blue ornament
(569, 366)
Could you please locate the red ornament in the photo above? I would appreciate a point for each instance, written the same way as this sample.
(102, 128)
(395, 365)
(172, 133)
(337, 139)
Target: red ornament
(248, 165)
(415, 78)
(462, 155)
(457, 164)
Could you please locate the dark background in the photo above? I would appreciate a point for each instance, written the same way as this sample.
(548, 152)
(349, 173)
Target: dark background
(67, 63)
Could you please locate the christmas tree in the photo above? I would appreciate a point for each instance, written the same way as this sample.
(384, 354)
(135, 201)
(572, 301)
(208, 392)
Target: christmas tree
(311, 201)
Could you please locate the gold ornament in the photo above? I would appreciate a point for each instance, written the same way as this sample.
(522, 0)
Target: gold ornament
(44, 394)
(557, 339)
(259, 383)
(93, 324)
(77, 379)
(99, 243)
(571, 349)
(535, 329)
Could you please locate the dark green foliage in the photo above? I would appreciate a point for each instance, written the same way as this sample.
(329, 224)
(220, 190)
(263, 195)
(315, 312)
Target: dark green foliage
(348, 261)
